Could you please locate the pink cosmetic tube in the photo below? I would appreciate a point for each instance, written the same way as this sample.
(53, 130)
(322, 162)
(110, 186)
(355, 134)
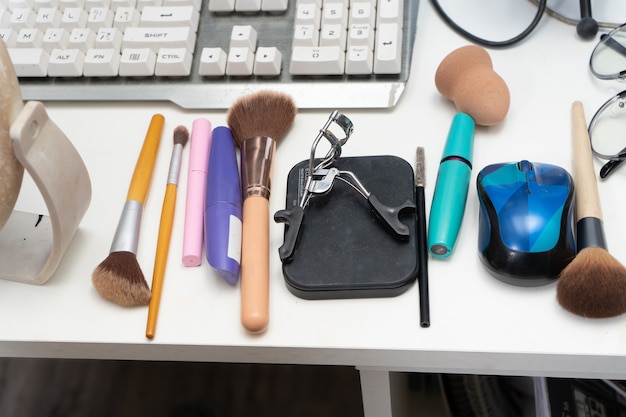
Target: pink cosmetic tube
(196, 187)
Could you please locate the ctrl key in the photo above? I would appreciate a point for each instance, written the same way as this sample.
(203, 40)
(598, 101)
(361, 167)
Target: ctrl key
(29, 62)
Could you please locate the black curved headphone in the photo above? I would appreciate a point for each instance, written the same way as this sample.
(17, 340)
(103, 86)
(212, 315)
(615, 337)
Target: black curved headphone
(586, 28)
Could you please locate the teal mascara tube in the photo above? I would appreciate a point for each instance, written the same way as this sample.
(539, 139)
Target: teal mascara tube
(448, 205)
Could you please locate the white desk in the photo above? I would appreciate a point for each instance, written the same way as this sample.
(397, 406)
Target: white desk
(479, 325)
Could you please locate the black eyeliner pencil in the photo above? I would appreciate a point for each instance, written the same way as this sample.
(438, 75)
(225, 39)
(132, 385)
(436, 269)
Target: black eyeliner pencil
(421, 243)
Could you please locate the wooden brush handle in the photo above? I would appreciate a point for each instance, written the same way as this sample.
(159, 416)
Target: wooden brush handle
(587, 197)
(255, 264)
(142, 176)
(160, 260)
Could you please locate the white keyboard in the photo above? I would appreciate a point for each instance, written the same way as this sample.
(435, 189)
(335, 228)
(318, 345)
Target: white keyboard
(326, 53)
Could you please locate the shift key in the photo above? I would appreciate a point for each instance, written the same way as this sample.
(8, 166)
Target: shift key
(156, 38)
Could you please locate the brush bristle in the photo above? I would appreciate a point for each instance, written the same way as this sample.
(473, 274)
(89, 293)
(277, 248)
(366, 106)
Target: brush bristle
(181, 135)
(266, 113)
(119, 279)
(593, 285)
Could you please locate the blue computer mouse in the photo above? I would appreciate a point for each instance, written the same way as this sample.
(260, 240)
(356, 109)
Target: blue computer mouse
(526, 221)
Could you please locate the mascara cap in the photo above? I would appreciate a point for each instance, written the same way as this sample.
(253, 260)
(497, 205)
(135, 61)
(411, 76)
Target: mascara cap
(460, 142)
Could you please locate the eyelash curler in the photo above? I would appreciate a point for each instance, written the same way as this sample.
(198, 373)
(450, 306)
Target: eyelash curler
(320, 180)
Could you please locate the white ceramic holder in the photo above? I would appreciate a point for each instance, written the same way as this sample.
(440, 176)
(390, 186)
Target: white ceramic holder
(32, 245)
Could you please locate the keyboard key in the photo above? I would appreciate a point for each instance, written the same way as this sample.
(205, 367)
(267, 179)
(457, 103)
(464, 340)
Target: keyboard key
(305, 35)
(109, 38)
(82, 39)
(388, 57)
(267, 61)
(359, 60)
(361, 34)
(173, 62)
(335, 13)
(169, 17)
(116, 4)
(48, 18)
(308, 14)
(333, 35)
(243, 36)
(137, 62)
(66, 63)
(55, 38)
(212, 62)
(155, 38)
(247, 6)
(126, 17)
(45, 4)
(5, 17)
(274, 5)
(22, 18)
(29, 62)
(74, 17)
(101, 63)
(64, 4)
(220, 6)
(147, 3)
(322, 60)
(91, 4)
(100, 17)
(29, 38)
(389, 11)
(363, 12)
(240, 62)
(196, 4)
(8, 37)
(19, 4)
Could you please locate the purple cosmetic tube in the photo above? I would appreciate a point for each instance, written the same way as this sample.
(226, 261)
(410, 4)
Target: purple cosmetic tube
(222, 210)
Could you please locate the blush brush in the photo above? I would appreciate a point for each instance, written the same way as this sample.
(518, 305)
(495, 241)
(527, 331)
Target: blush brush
(257, 121)
(594, 283)
(119, 277)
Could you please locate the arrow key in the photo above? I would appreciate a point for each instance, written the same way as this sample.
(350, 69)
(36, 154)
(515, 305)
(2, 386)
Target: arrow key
(212, 62)
(268, 61)
(240, 62)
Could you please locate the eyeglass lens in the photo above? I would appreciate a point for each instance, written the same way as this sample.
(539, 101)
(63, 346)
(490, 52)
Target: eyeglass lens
(608, 60)
(607, 133)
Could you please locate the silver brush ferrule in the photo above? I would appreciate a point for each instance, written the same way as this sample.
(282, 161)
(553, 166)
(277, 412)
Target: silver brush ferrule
(127, 233)
(257, 155)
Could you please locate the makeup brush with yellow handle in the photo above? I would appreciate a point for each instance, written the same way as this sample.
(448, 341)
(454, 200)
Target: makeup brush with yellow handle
(119, 277)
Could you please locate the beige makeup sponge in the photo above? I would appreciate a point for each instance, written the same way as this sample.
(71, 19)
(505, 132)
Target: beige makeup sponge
(466, 77)
(11, 171)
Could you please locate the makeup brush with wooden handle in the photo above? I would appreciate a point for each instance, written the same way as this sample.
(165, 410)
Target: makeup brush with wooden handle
(257, 122)
(594, 283)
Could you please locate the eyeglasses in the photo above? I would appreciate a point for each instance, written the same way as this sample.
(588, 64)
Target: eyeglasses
(606, 132)
(608, 62)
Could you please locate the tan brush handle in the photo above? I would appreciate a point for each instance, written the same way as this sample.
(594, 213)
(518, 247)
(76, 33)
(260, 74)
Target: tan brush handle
(587, 197)
(255, 264)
